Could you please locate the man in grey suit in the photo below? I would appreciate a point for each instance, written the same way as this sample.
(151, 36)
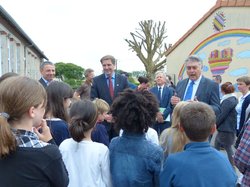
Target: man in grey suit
(197, 87)
(107, 86)
(47, 70)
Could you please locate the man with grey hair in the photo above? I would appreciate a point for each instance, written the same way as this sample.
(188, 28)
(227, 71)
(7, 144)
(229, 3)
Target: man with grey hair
(163, 94)
(47, 70)
(197, 87)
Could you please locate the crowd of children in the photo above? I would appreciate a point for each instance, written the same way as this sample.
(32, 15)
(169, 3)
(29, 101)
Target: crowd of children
(45, 140)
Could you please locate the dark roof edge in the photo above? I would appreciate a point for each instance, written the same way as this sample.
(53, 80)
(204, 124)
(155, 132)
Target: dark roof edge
(14, 24)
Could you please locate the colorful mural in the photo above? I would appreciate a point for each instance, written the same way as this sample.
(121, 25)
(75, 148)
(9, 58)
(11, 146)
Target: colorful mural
(219, 21)
(242, 34)
(219, 61)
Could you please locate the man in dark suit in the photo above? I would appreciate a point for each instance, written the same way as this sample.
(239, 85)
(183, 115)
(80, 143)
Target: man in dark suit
(203, 89)
(163, 94)
(47, 70)
(101, 88)
(107, 85)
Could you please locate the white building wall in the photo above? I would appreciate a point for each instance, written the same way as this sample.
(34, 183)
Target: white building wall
(16, 56)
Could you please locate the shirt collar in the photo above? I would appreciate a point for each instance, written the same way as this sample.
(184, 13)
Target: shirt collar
(160, 86)
(45, 80)
(196, 82)
(27, 139)
(107, 76)
(192, 145)
(246, 95)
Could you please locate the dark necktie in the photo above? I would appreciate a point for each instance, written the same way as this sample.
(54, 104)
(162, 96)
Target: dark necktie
(189, 92)
(159, 94)
(111, 89)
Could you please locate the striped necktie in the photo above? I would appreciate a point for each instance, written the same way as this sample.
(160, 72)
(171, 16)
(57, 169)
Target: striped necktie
(111, 89)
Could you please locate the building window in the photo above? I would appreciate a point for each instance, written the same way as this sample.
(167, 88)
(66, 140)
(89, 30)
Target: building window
(18, 58)
(1, 62)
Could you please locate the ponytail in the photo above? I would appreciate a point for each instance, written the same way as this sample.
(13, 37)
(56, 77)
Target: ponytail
(77, 129)
(7, 139)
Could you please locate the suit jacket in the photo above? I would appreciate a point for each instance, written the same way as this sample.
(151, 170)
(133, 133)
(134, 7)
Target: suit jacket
(42, 82)
(100, 87)
(207, 92)
(243, 116)
(227, 119)
(167, 93)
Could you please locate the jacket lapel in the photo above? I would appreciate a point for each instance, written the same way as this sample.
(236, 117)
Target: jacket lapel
(116, 84)
(183, 88)
(163, 95)
(105, 84)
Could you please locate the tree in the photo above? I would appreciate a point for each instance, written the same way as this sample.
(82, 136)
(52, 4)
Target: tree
(69, 73)
(148, 43)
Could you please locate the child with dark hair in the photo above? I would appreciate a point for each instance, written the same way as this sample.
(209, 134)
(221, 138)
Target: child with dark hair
(59, 99)
(227, 120)
(199, 164)
(134, 161)
(87, 162)
(144, 83)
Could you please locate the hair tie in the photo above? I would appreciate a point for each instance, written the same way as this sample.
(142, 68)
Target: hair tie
(5, 115)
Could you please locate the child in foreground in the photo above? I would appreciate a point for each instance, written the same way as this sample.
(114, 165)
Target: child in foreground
(134, 161)
(172, 139)
(199, 164)
(87, 162)
(27, 157)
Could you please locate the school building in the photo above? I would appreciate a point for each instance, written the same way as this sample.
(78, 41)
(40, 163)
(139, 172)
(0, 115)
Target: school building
(18, 53)
(221, 38)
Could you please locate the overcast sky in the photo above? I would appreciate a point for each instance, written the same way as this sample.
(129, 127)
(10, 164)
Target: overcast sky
(81, 32)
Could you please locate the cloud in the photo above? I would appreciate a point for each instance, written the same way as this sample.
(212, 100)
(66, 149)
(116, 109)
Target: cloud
(243, 40)
(244, 54)
(238, 72)
(224, 43)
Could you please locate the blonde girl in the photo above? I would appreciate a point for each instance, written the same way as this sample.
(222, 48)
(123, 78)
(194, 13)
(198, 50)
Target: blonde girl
(172, 140)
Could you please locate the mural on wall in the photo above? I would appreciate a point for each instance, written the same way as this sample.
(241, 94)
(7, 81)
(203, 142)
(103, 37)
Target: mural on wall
(219, 61)
(232, 37)
(219, 21)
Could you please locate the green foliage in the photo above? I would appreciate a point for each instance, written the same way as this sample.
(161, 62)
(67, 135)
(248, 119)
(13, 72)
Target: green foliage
(73, 83)
(133, 80)
(69, 73)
